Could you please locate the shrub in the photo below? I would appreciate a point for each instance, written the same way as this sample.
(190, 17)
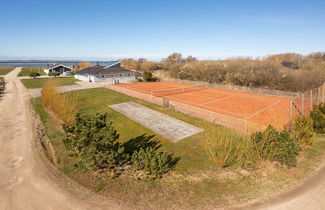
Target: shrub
(225, 147)
(54, 74)
(93, 140)
(153, 162)
(62, 106)
(139, 80)
(275, 146)
(147, 76)
(34, 75)
(303, 131)
(318, 116)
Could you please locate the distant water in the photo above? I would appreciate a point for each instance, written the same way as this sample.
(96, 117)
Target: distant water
(50, 62)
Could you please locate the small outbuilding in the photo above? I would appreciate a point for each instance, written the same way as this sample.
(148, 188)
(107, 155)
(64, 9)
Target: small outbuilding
(60, 68)
(114, 74)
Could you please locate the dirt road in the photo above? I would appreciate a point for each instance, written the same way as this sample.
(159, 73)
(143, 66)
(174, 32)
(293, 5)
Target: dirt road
(25, 180)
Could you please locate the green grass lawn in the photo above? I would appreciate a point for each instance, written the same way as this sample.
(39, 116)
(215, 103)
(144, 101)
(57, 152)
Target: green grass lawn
(27, 70)
(38, 83)
(5, 70)
(195, 183)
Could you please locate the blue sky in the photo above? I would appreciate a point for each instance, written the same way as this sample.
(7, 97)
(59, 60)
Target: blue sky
(208, 29)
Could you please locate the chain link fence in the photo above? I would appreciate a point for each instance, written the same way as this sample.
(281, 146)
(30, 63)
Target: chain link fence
(279, 114)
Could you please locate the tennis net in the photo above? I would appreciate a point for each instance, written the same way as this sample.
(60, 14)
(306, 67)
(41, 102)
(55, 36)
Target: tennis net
(175, 91)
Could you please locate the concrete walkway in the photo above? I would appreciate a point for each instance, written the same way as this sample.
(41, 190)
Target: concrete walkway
(164, 125)
(78, 86)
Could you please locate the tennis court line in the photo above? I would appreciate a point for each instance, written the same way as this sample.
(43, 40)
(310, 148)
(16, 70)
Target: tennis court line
(222, 110)
(266, 108)
(218, 99)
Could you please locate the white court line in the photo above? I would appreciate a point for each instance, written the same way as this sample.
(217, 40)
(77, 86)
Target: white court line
(208, 107)
(256, 113)
(218, 99)
(236, 95)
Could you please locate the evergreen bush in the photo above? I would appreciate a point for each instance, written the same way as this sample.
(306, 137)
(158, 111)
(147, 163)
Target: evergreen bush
(318, 116)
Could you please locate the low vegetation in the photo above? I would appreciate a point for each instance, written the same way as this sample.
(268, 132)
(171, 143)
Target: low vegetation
(26, 71)
(54, 74)
(34, 75)
(2, 85)
(318, 116)
(225, 147)
(272, 145)
(5, 70)
(63, 107)
(94, 142)
(303, 131)
(39, 82)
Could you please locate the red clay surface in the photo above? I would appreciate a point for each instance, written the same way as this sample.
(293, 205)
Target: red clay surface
(257, 109)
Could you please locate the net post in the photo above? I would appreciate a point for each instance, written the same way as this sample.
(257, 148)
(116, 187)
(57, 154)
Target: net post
(290, 112)
(302, 104)
(311, 100)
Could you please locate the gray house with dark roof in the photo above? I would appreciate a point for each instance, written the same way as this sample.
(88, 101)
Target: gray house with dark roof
(113, 73)
(60, 68)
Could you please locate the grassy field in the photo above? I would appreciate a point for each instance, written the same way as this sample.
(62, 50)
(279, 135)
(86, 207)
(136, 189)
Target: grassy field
(195, 183)
(38, 83)
(5, 70)
(27, 70)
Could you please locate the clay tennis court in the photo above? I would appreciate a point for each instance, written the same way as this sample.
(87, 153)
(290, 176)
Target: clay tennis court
(243, 111)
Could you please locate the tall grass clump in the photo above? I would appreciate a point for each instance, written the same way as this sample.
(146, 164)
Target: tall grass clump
(225, 147)
(63, 106)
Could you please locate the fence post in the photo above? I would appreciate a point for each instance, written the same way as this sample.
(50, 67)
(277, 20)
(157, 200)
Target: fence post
(302, 104)
(318, 95)
(211, 117)
(311, 100)
(246, 127)
(290, 121)
(323, 95)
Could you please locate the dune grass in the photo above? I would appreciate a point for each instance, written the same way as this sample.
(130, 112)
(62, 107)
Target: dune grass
(39, 82)
(196, 182)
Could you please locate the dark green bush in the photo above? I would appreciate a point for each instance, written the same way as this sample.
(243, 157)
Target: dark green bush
(303, 131)
(154, 163)
(276, 146)
(34, 75)
(93, 140)
(318, 116)
(147, 76)
(54, 74)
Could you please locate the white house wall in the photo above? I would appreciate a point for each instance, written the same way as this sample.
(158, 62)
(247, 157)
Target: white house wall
(97, 79)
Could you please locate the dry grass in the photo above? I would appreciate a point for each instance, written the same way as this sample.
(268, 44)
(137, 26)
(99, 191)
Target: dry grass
(62, 106)
(225, 147)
